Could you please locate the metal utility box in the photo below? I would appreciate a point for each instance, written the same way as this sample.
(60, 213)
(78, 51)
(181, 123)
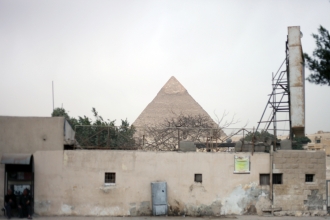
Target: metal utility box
(159, 198)
(286, 145)
(187, 146)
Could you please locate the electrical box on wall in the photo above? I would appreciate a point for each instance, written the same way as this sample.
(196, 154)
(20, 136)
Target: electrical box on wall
(159, 198)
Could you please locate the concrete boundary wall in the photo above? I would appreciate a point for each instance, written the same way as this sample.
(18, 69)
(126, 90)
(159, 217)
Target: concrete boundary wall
(72, 183)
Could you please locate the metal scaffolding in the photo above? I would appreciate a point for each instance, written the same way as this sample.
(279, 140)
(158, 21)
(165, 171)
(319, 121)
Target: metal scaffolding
(279, 100)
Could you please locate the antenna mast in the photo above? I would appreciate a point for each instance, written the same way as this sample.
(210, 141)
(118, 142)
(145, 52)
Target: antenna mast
(53, 93)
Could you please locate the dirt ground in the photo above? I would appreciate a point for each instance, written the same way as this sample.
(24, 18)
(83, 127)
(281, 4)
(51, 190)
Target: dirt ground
(245, 217)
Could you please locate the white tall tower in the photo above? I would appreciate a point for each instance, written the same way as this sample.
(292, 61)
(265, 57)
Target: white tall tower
(296, 81)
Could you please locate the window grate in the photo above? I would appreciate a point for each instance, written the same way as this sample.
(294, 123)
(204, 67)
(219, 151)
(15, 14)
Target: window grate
(309, 178)
(264, 179)
(110, 178)
(277, 178)
(198, 178)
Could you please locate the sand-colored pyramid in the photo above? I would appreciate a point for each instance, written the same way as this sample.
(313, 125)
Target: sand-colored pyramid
(172, 98)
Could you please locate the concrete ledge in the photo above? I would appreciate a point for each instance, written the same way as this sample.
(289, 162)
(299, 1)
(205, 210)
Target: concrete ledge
(272, 209)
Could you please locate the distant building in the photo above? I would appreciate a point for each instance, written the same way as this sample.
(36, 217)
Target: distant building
(320, 141)
(80, 182)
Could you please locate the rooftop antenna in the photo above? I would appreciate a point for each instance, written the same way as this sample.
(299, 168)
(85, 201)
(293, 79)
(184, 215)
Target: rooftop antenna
(53, 93)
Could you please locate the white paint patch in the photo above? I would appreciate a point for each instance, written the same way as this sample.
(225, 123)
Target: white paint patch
(123, 167)
(263, 194)
(106, 188)
(95, 210)
(108, 211)
(42, 207)
(66, 209)
(233, 203)
(65, 159)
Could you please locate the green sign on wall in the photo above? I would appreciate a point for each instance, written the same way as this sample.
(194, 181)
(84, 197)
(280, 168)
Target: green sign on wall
(242, 164)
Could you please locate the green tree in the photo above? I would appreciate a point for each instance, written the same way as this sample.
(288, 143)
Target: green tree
(60, 112)
(300, 141)
(319, 64)
(259, 136)
(99, 132)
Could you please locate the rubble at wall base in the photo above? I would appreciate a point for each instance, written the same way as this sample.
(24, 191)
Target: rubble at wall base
(301, 213)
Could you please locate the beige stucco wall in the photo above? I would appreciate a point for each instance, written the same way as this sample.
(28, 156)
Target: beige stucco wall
(72, 182)
(28, 135)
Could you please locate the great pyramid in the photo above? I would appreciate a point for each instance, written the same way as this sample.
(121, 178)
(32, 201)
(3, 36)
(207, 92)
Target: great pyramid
(172, 98)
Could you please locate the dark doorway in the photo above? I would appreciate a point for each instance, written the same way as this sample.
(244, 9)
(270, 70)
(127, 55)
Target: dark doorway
(19, 174)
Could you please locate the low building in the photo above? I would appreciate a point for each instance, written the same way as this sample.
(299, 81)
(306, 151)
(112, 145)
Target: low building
(118, 183)
(320, 141)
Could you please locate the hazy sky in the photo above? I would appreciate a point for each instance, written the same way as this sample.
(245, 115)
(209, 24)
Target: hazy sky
(116, 55)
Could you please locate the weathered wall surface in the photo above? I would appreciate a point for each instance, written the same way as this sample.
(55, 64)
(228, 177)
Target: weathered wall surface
(295, 194)
(49, 182)
(28, 135)
(328, 167)
(72, 183)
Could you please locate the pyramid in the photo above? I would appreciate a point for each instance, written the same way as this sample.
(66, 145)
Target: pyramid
(172, 98)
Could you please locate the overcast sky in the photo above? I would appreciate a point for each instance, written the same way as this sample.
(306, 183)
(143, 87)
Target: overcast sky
(116, 55)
